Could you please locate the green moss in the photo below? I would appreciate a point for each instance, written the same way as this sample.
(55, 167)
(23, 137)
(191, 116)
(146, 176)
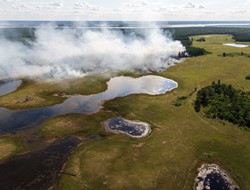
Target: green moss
(74, 124)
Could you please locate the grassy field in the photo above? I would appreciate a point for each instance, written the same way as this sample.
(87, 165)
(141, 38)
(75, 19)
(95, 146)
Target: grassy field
(7, 148)
(181, 139)
(33, 94)
(74, 124)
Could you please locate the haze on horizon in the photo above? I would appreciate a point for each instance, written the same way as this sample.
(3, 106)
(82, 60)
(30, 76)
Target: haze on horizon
(135, 10)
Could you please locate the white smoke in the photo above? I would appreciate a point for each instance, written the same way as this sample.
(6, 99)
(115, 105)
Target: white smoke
(70, 53)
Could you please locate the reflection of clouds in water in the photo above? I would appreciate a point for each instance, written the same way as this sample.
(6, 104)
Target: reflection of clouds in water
(9, 86)
(237, 45)
(120, 87)
(117, 87)
(153, 85)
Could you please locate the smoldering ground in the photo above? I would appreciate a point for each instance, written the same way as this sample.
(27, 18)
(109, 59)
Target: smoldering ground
(54, 53)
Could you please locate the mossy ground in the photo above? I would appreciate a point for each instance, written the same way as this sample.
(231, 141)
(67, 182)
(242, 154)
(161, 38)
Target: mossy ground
(6, 148)
(50, 93)
(181, 139)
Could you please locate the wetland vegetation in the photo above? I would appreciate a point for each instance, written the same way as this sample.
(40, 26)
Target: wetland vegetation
(89, 104)
(177, 146)
(181, 139)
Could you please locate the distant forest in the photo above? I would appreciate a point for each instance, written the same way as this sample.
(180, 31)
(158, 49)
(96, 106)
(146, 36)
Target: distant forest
(183, 34)
(224, 102)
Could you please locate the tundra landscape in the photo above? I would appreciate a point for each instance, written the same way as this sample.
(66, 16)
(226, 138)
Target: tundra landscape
(124, 95)
(86, 119)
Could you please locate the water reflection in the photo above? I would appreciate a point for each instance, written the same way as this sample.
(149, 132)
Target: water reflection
(237, 45)
(212, 176)
(117, 87)
(135, 129)
(9, 86)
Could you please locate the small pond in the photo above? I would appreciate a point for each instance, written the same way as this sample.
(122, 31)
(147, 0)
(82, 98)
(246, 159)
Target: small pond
(237, 45)
(8, 86)
(11, 120)
(135, 129)
(213, 177)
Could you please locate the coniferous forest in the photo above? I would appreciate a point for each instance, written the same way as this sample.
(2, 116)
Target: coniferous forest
(224, 102)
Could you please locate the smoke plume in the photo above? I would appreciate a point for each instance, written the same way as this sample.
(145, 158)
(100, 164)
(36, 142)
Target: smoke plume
(70, 53)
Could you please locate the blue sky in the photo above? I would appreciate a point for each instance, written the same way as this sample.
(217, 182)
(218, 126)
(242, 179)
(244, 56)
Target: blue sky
(124, 10)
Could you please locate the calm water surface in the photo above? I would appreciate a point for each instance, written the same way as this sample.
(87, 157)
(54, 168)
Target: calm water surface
(237, 45)
(117, 87)
(7, 87)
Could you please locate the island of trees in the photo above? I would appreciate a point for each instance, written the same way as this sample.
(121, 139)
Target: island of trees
(224, 102)
(248, 77)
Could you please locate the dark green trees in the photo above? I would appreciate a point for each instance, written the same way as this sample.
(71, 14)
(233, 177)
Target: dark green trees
(195, 51)
(248, 77)
(202, 39)
(224, 102)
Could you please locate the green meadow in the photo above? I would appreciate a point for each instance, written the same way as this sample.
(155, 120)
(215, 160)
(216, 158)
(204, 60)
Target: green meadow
(181, 139)
(33, 94)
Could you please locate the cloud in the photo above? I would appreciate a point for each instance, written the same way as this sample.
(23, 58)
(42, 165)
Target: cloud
(89, 7)
(57, 3)
(130, 10)
(238, 11)
(9, 1)
(33, 6)
(60, 54)
(83, 5)
(51, 5)
(190, 6)
(144, 3)
(141, 4)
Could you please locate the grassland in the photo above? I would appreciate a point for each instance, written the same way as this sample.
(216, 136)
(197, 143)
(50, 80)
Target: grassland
(83, 126)
(7, 148)
(181, 139)
(33, 94)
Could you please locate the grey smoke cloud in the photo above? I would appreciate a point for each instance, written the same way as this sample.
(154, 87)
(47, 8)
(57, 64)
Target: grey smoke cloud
(71, 53)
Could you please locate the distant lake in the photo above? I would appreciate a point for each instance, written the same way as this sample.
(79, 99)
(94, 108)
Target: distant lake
(237, 45)
(121, 24)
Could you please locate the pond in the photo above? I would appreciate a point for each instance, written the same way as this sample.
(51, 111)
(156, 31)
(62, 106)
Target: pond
(135, 129)
(11, 120)
(213, 177)
(237, 45)
(8, 86)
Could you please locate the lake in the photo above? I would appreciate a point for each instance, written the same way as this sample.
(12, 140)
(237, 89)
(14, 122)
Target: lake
(11, 120)
(9, 86)
(237, 45)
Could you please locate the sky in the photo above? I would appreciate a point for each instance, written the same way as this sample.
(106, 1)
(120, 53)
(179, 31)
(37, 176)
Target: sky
(125, 10)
